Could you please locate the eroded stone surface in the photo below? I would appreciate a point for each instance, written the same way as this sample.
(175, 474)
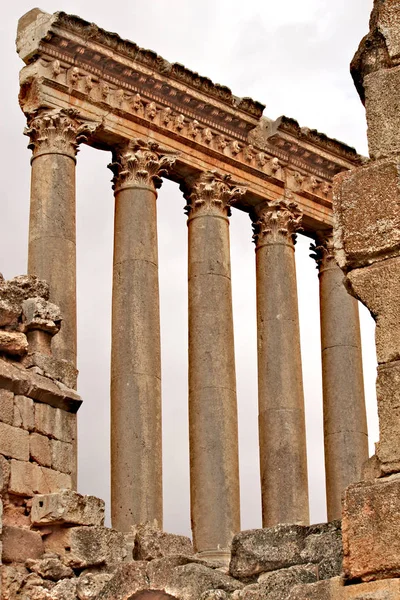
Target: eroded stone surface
(151, 542)
(67, 507)
(371, 539)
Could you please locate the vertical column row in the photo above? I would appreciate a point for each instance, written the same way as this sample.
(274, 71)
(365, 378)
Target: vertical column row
(283, 458)
(136, 436)
(345, 423)
(213, 428)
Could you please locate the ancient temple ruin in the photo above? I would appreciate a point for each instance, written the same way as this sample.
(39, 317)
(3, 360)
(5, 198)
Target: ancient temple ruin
(83, 85)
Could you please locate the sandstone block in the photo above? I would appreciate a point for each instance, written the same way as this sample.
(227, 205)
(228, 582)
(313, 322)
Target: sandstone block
(27, 479)
(62, 370)
(276, 585)
(82, 547)
(4, 474)
(323, 546)
(24, 413)
(371, 530)
(21, 287)
(259, 550)
(9, 312)
(49, 568)
(67, 507)
(64, 590)
(388, 396)
(151, 543)
(54, 422)
(40, 450)
(334, 589)
(6, 406)
(378, 287)
(13, 342)
(62, 457)
(20, 544)
(14, 442)
(383, 115)
(366, 204)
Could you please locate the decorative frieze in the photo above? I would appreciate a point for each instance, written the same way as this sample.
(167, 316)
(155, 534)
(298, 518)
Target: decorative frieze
(323, 250)
(211, 193)
(140, 163)
(57, 132)
(276, 222)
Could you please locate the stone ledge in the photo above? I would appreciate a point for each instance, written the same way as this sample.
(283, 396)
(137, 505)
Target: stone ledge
(22, 382)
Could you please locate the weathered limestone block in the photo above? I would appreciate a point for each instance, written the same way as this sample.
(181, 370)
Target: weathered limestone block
(9, 312)
(151, 543)
(27, 479)
(67, 507)
(89, 585)
(24, 415)
(128, 579)
(259, 550)
(371, 530)
(59, 369)
(39, 449)
(20, 544)
(5, 470)
(13, 343)
(11, 580)
(64, 590)
(262, 550)
(49, 567)
(38, 313)
(366, 204)
(6, 406)
(54, 422)
(62, 457)
(388, 396)
(186, 580)
(335, 590)
(378, 287)
(383, 115)
(276, 585)
(14, 442)
(82, 547)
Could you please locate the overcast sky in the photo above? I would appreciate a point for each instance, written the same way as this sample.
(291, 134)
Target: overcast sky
(294, 57)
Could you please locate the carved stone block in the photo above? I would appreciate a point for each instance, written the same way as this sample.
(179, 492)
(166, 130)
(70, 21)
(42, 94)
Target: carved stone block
(366, 207)
(67, 507)
(371, 530)
(383, 114)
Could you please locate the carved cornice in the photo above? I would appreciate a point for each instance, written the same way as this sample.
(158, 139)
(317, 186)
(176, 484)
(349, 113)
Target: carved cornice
(276, 223)
(57, 132)
(210, 193)
(322, 251)
(140, 163)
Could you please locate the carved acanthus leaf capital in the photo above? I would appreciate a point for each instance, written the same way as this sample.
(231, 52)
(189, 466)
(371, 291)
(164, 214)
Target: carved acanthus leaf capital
(58, 132)
(140, 163)
(323, 250)
(276, 222)
(211, 193)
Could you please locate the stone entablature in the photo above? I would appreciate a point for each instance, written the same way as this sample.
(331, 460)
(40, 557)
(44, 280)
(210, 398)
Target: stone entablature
(133, 93)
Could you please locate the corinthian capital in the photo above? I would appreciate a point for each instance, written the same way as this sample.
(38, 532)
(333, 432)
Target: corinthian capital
(211, 193)
(140, 163)
(57, 132)
(322, 250)
(276, 222)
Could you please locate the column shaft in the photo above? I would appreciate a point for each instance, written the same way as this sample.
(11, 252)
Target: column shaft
(345, 423)
(283, 459)
(136, 436)
(54, 138)
(213, 429)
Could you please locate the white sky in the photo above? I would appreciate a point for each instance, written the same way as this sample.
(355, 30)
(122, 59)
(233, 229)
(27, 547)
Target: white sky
(294, 57)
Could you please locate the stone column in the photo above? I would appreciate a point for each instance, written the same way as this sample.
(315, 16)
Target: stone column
(213, 429)
(54, 139)
(345, 422)
(283, 459)
(136, 453)
(55, 135)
